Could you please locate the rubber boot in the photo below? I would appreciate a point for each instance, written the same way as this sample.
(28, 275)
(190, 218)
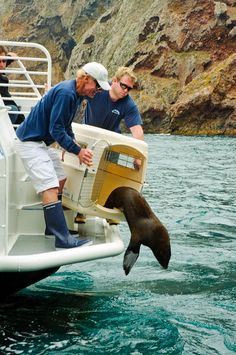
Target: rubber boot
(50, 235)
(56, 225)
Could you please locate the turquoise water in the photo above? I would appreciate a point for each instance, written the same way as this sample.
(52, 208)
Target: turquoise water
(93, 308)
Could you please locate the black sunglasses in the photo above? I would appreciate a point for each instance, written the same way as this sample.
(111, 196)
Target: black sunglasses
(3, 60)
(124, 86)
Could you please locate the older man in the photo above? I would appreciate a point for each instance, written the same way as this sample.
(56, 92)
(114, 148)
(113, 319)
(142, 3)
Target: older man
(48, 122)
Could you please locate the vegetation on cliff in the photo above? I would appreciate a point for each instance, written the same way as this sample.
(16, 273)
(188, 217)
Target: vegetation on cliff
(182, 51)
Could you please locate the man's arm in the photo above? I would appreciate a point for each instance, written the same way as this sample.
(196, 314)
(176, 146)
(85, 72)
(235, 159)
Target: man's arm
(137, 132)
(60, 121)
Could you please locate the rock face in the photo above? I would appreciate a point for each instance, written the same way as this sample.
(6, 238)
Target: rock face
(207, 105)
(183, 52)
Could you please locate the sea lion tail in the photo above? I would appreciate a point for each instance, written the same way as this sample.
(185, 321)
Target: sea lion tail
(130, 257)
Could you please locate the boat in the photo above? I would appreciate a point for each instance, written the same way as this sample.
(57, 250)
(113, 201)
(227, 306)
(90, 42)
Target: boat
(26, 255)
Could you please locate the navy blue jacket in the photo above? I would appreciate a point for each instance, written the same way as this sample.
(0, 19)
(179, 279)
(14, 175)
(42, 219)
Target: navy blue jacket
(50, 120)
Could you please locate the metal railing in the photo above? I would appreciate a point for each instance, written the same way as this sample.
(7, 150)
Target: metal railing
(29, 74)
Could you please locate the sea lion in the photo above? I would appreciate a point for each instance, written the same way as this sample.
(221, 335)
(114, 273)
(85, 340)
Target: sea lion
(145, 227)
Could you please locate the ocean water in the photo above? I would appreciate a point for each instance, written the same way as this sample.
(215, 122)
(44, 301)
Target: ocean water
(93, 308)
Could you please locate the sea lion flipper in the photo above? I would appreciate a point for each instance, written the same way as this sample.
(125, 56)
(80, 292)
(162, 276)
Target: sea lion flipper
(130, 257)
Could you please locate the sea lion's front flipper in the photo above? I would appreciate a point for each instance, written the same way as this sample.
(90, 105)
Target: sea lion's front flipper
(130, 257)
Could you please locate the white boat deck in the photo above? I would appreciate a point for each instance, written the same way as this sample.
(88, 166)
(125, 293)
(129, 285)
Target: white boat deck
(36, 252)
(32, 245)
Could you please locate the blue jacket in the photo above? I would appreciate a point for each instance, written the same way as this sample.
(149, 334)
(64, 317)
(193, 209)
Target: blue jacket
(50, 120)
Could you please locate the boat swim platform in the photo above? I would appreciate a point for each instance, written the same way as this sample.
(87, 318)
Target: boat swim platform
(34, 252)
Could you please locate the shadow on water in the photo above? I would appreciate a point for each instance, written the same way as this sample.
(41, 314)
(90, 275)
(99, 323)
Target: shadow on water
(45, 320)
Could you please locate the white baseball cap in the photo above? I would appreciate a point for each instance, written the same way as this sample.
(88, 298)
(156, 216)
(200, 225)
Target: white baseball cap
(99, 73)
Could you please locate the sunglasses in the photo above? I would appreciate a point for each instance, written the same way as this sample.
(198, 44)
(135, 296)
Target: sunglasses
(125, 87)
(3, 60)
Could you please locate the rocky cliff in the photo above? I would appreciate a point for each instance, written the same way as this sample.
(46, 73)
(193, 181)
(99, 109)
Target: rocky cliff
(183, 52)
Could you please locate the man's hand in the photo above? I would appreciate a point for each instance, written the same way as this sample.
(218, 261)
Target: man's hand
(86, 156)
(63, 154)
(137, 164)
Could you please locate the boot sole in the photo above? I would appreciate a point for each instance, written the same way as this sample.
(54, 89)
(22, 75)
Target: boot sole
(80, 246)
(52, 236)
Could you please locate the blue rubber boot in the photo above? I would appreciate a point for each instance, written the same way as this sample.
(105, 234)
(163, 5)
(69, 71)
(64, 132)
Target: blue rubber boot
(50, 235)
(56, 225)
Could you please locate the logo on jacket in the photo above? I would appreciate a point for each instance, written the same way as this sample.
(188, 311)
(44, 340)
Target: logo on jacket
(116, 112)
